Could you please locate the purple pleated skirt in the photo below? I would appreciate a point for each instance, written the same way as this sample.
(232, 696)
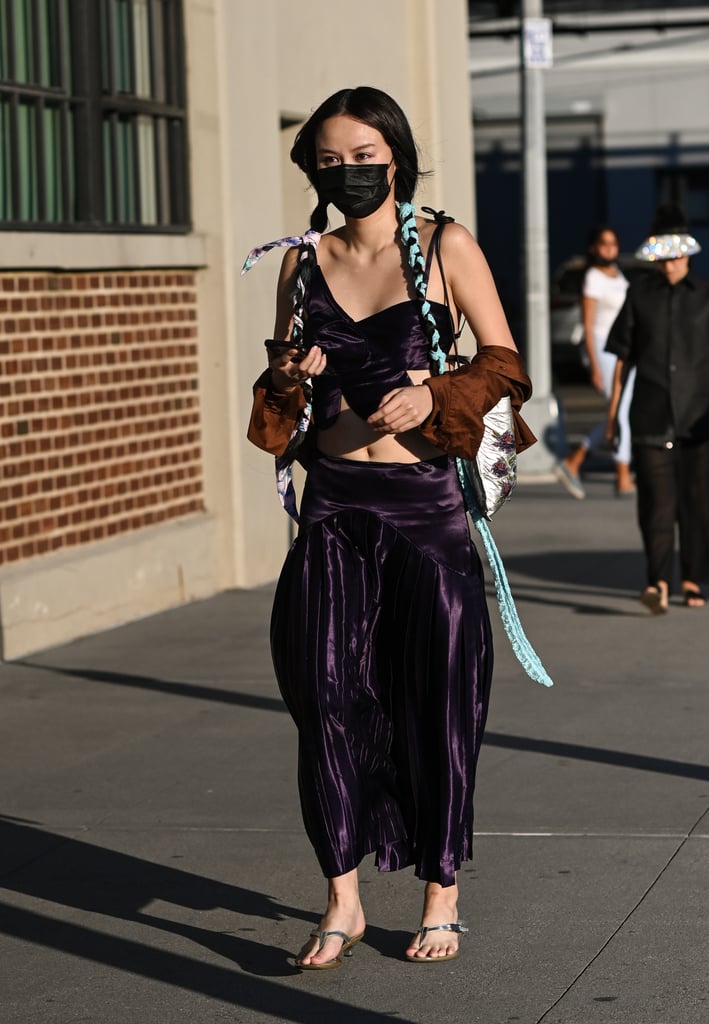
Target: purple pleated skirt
(383, 652)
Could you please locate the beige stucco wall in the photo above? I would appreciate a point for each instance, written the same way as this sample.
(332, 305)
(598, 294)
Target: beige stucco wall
(248, 67)
(286, 58)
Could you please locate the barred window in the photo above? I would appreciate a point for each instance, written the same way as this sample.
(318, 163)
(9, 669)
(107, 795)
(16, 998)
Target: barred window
(93, 131)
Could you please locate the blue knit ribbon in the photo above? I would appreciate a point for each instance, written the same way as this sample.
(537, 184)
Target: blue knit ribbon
(521, 647)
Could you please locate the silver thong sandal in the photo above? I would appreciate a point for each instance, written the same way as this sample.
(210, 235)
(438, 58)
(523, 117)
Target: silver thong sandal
(423, 931)
(346, 950)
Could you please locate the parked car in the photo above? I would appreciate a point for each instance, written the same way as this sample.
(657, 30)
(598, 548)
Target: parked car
(569, 359)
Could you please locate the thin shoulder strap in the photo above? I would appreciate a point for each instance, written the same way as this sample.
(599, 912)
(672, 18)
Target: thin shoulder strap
(432, 247)
(441, 220)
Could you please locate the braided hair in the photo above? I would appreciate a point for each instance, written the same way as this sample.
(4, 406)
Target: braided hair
(410, 238)
(306, 265)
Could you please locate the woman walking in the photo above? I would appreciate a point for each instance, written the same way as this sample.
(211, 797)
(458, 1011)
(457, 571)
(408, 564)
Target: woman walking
(603, 294)
(380, 634)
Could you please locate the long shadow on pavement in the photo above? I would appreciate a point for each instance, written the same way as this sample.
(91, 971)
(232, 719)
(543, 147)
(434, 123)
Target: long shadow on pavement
(598, 755)
(72, 873)
(608, 571)
(194, 691)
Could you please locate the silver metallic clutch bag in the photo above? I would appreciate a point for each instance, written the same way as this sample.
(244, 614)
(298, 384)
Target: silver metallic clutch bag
(492, 475)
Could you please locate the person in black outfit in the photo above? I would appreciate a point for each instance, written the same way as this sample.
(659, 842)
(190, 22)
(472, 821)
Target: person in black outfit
(663, 330)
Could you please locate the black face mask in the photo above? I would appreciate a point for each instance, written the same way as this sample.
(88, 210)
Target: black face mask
(602, 261)
(356, 190)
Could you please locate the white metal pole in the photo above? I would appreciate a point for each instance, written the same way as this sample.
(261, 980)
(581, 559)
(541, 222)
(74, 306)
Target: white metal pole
(541, 412)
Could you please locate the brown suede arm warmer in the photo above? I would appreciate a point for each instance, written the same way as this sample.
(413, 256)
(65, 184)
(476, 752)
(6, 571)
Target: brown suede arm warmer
(273, 415)
(461, 399)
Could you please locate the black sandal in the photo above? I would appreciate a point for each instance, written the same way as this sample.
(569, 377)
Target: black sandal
(695, 593)
(655, 599)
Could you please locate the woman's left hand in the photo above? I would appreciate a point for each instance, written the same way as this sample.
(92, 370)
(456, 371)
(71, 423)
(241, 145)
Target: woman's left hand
(597, 379)
(402, 409)
(612, 433)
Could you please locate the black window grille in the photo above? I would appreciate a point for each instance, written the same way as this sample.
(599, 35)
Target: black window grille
(93, 132)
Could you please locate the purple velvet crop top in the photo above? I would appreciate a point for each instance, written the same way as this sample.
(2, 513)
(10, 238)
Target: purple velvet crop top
(365, 358)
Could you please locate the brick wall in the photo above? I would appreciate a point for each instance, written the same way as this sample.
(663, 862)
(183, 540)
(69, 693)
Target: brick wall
(99, 415)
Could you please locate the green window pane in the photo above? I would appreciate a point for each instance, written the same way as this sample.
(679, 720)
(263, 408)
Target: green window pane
(65, 75)
(45, 37)
(5, 165)
(115, 46)
(125, 162)
(105, 14)
(23, 41)
(34, 42)
(122, 46)
(158, 51)
(162, 169)
(141, 38)
(40, 129)
(146, 171)
(4, 66)
(69, 168)
(108, 171)
(52, 164)
(27, 154)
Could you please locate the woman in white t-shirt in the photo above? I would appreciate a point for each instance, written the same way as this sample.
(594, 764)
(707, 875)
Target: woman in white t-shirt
(603, 294)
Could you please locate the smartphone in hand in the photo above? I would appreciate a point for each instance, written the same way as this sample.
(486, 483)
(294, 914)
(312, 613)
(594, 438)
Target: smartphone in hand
(279, 348)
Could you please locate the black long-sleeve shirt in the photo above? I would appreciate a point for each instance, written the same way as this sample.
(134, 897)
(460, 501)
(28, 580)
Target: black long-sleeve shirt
(663, 330)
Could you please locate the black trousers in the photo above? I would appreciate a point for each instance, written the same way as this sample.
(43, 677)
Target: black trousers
(673, 496)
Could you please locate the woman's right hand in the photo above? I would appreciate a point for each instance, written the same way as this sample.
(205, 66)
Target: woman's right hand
(597, 378)
(292, 366)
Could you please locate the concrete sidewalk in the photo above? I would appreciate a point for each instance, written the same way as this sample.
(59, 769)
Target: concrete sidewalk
(153, 860)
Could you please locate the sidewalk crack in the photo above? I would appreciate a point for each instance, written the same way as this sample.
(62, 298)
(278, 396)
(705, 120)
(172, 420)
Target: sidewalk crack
(627, 917)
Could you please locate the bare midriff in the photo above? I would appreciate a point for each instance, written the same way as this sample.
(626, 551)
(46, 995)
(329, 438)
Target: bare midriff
(351, 437)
